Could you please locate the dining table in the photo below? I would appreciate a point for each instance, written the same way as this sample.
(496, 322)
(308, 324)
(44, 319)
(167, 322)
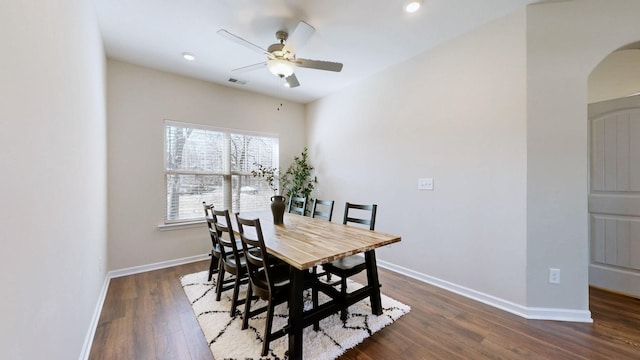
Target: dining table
(304, 242)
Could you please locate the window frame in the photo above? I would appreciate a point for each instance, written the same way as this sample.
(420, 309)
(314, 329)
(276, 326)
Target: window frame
(226, 173)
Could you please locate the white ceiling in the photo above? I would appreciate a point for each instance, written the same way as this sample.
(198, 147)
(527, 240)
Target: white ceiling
(367, 36)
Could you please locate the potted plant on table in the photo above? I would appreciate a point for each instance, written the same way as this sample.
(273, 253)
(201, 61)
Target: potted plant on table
(295, 182)
(278, 203)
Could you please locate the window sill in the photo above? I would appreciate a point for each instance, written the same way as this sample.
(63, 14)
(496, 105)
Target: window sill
(181, 225)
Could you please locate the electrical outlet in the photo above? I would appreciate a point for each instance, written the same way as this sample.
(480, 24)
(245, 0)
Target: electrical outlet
(554, 276)
(425, 184)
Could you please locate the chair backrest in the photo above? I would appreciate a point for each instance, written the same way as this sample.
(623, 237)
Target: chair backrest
(208, 214)
(325, 211)
(297, 205)
(360, 219)
(226, 238)
(255, 253)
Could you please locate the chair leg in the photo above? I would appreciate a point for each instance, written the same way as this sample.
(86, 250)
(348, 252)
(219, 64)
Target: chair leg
(247, 307)
(220, 284)
(234, 300)
(314, 297)
(212, 266)
(267, 328)
(343, 294)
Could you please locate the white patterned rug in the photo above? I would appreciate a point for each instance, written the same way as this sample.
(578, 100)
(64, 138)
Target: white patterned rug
(227, 341)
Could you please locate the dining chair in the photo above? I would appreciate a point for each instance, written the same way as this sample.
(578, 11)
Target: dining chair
(215, 247)
(297, 205)
(325, 211)
(354, 264)
(233, 260)
(267, 281)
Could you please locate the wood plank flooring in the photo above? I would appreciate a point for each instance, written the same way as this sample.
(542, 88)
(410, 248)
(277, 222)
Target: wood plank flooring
(147, 316)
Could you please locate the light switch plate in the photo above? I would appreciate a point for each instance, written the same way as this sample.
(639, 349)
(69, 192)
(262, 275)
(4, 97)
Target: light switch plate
(425, 184)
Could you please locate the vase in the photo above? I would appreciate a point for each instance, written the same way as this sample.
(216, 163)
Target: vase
(277, 208)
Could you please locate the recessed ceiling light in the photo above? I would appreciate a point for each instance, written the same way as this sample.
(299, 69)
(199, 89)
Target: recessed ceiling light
(188, 56)
(412, 6)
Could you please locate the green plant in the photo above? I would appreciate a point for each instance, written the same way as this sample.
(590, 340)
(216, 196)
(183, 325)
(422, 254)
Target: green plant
(297, 180)
(268, 173)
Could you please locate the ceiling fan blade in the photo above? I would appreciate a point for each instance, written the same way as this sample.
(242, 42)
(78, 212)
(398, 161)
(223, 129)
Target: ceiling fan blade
(319, 65)
(250, 67)
(240, 41)
(292, 81)
(299, 37)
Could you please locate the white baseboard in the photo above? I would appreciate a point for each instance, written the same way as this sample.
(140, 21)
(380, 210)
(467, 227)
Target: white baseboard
(517, 309)
(155, 266)
(88, 342)
(570, 315)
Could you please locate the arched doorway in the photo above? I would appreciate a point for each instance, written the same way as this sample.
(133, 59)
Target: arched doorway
(614, 172)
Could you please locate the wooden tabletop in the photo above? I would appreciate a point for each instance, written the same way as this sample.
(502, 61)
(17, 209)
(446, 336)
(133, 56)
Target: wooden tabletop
(304, 242)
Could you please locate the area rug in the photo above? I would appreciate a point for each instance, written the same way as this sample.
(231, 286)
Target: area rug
(227, 341)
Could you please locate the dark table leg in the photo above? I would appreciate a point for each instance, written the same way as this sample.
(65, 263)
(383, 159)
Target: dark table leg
(296, 316)
(374, 283)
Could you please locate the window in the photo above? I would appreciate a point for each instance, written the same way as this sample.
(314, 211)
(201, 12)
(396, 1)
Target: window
(214, 165)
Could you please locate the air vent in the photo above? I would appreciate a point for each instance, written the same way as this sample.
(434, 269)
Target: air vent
(236, 81)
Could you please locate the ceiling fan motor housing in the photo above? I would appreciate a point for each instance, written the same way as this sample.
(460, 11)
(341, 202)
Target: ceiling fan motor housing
(276, 51)
(275, 47)
(282, 36)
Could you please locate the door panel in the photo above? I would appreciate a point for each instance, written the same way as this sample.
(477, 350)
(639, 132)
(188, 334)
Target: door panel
(614, 198)
(615, 240)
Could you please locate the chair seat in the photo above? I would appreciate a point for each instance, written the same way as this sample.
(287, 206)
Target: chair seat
(239, 263)
(238, 246)
(347, 266)
(279, 278)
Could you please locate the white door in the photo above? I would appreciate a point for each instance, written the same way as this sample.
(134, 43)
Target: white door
(614, 198)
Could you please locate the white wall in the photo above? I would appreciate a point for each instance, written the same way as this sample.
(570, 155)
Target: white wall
(456, 114)
(565, 42)
(618, 75)
(53, 159)
(139, 100)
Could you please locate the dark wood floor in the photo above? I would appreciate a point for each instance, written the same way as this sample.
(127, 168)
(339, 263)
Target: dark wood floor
(147, 316)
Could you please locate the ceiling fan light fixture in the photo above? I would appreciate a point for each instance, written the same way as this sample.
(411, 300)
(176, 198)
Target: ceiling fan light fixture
(280, 68)
(412, 6)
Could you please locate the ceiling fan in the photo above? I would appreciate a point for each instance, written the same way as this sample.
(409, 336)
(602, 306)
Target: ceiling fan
(281, 56)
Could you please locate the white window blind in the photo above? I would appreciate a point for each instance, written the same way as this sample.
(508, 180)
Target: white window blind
(214, 165)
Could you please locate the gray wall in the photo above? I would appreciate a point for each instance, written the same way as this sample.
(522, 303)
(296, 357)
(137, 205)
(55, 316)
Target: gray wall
(618, 75)
(53, 159)
(457, 114)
